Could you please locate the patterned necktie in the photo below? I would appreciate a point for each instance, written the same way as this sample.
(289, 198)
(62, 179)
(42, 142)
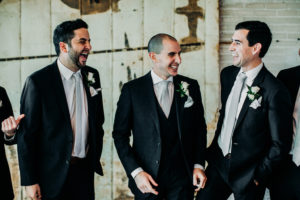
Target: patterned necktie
(296, 145)
(229, 124)
(164, 99)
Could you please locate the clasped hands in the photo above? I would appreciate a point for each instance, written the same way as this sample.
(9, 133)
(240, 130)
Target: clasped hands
(145, 182)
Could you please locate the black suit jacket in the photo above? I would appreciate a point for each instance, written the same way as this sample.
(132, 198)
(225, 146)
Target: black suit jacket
(262, 136)
(291, 79)
(137, 115)
(5, 180)
(45, 135)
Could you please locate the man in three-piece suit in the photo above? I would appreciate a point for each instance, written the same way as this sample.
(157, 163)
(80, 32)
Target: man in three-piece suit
(164, 113)
(60, 139)
(285, 182)
(253, 131)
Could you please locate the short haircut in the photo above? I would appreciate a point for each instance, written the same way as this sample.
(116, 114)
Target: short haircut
(155, 44)
(259, 32)
(64, 32)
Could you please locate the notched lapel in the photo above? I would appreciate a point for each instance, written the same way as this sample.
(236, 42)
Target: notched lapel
(259, 79)
(149, 96)
(60, 92)
(179, 103)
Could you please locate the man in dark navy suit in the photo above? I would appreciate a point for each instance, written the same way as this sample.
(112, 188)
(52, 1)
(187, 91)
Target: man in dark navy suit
(60, 139)
(253, 131)
(164, 113)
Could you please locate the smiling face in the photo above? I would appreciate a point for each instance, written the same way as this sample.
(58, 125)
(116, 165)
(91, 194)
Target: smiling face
(240, 50)
(80, 47)
(167, 62)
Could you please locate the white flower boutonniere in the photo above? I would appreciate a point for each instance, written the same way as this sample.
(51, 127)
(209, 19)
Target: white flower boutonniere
(254, 97)
(90, 81)
(0, 103)
(90, 78)
(184, 91)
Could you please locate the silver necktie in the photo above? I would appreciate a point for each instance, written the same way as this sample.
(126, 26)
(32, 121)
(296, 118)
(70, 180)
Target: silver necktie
(231, 118)
(164, 99)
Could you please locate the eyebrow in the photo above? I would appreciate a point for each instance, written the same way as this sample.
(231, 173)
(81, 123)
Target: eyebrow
(235, 40)
(84, 39)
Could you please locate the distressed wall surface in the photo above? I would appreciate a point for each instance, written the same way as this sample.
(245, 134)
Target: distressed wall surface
(120, 30)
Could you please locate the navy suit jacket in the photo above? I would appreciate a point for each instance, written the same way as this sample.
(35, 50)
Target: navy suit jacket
(262, 136)
(137, 115)
(5, 180)
(45, 135)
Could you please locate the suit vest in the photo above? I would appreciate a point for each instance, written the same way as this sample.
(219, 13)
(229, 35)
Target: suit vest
(171, 162)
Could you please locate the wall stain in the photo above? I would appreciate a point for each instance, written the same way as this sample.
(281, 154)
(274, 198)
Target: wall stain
(88, 7)
(193, 12)
(126, 41)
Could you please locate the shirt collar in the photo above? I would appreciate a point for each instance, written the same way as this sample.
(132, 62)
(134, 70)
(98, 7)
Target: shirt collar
(64, 71)
(251, 74)
(156, 79)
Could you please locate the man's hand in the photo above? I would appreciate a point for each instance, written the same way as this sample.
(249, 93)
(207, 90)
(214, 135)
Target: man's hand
(33, 192)
(256, 183)
(143, 181)
(199, 178)
(10, 125)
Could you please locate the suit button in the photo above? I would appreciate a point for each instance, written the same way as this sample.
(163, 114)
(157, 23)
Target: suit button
(67, 162)
(235, 143)
(157, 162)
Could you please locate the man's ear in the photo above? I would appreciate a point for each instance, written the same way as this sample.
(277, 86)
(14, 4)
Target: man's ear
(152, 56)
(63, 47)
(256, 48)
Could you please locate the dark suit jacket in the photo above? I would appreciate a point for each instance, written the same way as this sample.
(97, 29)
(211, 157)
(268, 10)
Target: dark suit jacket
(137, 115)
(262, 136)
(5, 180)
(45, 135)
(291, 79)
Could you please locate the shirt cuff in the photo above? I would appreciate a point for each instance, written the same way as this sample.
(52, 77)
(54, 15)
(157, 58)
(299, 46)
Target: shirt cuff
(9, 138)
(136, 171)
(198, 166)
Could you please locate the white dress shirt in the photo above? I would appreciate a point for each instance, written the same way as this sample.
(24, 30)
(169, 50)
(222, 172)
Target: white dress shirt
(251, 75)
(69, 88)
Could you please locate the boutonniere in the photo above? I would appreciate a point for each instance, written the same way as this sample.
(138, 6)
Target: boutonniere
(90, 81)
(184, 91)
(254, 97)
(0, 103)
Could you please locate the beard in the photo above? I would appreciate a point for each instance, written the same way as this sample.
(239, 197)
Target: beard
(74, 57)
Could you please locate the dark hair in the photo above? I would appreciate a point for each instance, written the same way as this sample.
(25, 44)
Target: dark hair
(155, 43)
(64, 32)
(259, 32)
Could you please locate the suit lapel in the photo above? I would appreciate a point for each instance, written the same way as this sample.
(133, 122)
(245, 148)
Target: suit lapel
(259, 78)
(149, 96)
(60, 92)
(179, 104)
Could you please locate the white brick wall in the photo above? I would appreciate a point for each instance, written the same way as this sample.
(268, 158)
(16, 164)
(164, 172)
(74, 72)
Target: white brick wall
(283, 18)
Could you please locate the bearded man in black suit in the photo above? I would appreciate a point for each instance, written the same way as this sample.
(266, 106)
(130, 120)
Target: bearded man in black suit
(60, 139)
(164, 113)
(253, 131)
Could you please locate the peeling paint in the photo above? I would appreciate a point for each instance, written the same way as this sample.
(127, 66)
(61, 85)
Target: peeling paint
(88, 7)
(192, 11)
(126, 41)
